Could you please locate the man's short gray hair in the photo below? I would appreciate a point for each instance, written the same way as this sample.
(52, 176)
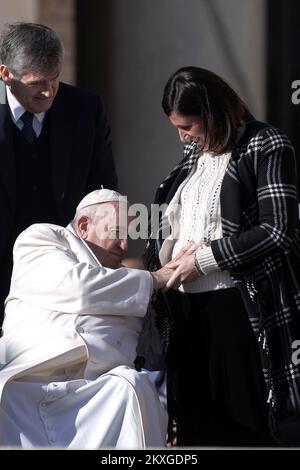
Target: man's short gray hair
(30, 48)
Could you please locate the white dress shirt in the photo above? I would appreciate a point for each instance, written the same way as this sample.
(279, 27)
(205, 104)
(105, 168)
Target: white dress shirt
(16, 110)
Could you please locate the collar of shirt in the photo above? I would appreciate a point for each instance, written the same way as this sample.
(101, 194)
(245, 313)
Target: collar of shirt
(16, 110)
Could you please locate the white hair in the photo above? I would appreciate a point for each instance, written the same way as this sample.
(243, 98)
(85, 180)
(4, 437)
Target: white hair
(93, 211)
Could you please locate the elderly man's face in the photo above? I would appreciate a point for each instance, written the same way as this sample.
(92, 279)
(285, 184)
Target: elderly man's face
(107, 235)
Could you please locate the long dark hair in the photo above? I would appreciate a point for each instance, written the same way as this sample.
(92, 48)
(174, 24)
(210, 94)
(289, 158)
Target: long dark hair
(193, 91)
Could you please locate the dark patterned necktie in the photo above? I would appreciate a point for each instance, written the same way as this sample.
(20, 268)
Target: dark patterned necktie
(27, 130)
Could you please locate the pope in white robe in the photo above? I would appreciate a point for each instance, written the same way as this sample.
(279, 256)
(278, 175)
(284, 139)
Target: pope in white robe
(72, 320)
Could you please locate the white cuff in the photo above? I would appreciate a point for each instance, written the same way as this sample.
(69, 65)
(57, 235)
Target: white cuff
(206, 260)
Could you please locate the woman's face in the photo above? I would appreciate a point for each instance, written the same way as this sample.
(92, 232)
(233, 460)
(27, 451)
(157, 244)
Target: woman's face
(190, 128)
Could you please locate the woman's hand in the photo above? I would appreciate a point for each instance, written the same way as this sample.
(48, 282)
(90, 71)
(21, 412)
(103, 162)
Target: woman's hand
(184, 270)
(189, 247)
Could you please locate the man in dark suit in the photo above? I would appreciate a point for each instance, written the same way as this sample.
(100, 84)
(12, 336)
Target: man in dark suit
(55, 142)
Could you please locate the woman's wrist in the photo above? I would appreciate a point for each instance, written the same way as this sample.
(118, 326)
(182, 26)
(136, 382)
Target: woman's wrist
(206, 260)
(197, 265)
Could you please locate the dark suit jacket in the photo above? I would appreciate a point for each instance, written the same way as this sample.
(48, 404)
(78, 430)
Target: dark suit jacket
(80, 152)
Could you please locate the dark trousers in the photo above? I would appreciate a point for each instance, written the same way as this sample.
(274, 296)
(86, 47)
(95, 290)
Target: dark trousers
(221, 395)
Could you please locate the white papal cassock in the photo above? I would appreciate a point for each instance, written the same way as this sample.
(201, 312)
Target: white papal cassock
(70, 334)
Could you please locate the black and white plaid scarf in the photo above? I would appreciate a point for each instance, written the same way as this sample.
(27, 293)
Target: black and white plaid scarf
(164, 195)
